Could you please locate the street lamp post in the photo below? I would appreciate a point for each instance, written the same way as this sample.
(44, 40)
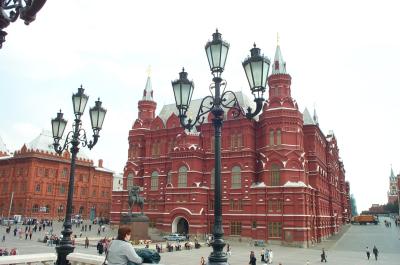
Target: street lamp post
(256, 68)
(75, 137)
(10, 10)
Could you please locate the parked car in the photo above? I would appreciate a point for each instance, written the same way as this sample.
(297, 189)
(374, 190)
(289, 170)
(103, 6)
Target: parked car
(174, 237)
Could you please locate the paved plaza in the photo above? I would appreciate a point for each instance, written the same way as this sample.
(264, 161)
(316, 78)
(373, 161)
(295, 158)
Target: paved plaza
(347, 248)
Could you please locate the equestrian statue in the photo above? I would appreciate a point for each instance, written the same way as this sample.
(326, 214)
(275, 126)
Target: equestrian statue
(135, 198)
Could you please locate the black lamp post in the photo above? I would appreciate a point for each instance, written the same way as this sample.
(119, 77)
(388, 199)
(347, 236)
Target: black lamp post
(10, 10)
(256, 68)
(75, 137)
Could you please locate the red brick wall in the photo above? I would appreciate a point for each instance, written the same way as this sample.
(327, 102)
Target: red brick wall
(28, 170)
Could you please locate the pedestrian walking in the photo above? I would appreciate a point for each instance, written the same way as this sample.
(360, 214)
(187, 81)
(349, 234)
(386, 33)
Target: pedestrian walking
(323, 255)
(262, 254)
(368, 253)
(100, 248)
(98, 231)
(266, 256)
(90, 227)
(375, 251)
(30, 235)
(252, 258)
(87, 242)
(4, 238)
(202, 261)
(271, 256)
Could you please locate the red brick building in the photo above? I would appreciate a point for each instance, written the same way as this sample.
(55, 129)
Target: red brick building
(282, 178)
(34, 180)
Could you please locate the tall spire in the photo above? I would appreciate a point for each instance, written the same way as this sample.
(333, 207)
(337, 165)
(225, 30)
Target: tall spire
(315, 116)
(279, 66)
(148, 90)
(391, 172)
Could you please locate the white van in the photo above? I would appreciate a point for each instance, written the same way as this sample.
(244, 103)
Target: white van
(18, 218)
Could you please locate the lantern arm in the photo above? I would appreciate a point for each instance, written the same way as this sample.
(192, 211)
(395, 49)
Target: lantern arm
(28, 13)
(82, 138)
(230, 101)
(205, 107)
(259, 103)
(60, 148)
(14, 6)
(26, 10)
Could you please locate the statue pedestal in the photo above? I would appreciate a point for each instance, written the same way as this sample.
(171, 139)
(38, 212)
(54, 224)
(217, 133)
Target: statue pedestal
(139, 225)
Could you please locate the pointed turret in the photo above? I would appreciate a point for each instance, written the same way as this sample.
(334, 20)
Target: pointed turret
(307, 118)
(3, 148)
(148, 90)
(279, 66)
(147, 106)
(279, 81)
(315, 117)
(392, 176)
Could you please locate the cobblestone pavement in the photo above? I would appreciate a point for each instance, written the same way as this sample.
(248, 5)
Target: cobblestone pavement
(346, 248)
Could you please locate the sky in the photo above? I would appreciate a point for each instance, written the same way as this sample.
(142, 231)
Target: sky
(343, 57)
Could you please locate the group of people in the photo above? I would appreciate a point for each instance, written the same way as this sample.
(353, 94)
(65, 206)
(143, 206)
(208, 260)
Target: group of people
(6, 252)
(267, 255)
(388, 223)
(374, 250)
(102, 246)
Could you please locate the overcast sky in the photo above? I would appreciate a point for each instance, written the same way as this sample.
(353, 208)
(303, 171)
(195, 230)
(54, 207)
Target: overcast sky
(343, 57)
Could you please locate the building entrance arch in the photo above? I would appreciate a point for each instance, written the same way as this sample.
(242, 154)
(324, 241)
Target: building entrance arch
(180, 225)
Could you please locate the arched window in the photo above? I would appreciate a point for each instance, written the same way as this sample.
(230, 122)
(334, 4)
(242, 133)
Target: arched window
(35, 208)
(182, 177)
(278, 137)
(271, 137)
(154, 180)
(81, 210)
(212, 181)
(129, 180)
(275, 175)
(169, 177)
(236, 178)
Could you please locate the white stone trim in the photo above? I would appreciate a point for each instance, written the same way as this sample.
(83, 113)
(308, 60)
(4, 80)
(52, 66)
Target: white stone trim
(44, 258)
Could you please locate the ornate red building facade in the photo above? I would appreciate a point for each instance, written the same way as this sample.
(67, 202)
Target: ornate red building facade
(282, 179)
(34, 182)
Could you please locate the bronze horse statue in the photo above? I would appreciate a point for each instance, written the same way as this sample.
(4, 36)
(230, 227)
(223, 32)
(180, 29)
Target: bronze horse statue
(134, 198)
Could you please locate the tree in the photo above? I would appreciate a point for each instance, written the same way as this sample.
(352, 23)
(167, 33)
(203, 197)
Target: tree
(353, 204)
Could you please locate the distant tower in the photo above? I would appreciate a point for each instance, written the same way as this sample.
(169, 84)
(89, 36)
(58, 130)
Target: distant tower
(392, 193)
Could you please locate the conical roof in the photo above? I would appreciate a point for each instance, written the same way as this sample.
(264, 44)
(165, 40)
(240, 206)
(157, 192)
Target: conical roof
(307, 118)
(391, 172)
(3, 148)
(148, 90)
(279, 66)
